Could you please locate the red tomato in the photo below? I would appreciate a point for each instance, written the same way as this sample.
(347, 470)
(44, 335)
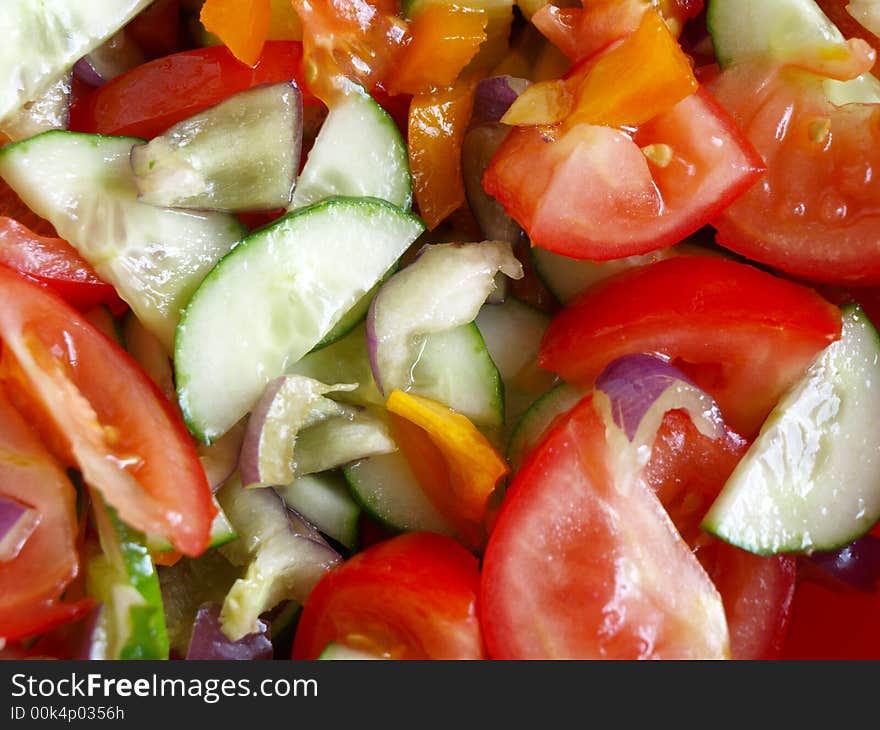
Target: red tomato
(829, 623)
(96, 404)
(150, 98)
(583, 564)
(591, 193)
(687, 471)
(816, 212)
(32, 583)
(54, 263)
(411, 597)
(743, 335)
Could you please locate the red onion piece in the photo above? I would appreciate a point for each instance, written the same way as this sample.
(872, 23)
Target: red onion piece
(208, 641)
(637, 385)
(857, 565)
(111, 59)
(17, 523)
(493, 97)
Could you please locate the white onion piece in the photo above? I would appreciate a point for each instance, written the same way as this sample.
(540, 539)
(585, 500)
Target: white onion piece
(284, 554)
(867, 13)
(17, 523)
(220, 459)
(289, 403)
(442, 289)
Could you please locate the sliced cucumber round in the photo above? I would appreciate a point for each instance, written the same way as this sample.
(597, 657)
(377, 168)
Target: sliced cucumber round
(810, 481)
(154, 257)
(42, 40)
(326, 502)
(274, 297)
(537, 419)
(359, 152)
(390, 493)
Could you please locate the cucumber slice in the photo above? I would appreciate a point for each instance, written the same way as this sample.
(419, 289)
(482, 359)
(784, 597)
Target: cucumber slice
(344, 361)
(48, 110)
(512, 332)
(455, 368)
(240, 155)
(354, 316)
(810, 481)
(123, 577)
(274, 297)
(359, 153)
(537, 419)
(326, 502)
(155, 257)
(780, 29)
(340, 440)
(42, 40)
(390, 493)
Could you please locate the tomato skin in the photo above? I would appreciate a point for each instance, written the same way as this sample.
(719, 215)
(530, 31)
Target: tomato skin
(815, 213)
(629, 206)
(94, 403)
(150, 98)
(413, 596)
(54, 263)
(742, 334)
(32, 582)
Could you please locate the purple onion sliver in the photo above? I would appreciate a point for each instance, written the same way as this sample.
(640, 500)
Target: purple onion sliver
(632, 384)
(17, 523)
(208, 641)
(493, 97)
(249, 454)
(856, 565)
(87, 73)
(85, 645)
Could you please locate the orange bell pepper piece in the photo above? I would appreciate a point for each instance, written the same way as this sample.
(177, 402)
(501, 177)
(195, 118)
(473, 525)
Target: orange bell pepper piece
(646, 75)
(437, 124)
(242, 25)
(461, 484)
(442, 41)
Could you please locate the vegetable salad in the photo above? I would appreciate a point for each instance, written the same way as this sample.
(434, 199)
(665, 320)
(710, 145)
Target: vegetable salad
(439, 329)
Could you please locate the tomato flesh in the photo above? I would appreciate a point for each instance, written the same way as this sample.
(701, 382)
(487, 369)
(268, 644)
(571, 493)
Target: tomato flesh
(97, 406)
(582, 565)
(32, 583)
(413, 596)
(743, 335)
(54, 263)
(816, 212)
(590, 192)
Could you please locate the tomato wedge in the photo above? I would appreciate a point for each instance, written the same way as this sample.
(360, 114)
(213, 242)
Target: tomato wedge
(687, 471)
(816, 212)
(743, 335)
(411, 597)
(54, 263)
(96, 404)
(150, 98)
(583, 564)
(32, 583)
(599, 193)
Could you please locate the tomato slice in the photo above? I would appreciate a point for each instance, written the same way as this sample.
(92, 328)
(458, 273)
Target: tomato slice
(32, 583)
(741, 334)
(98, 406)
(591, 192)
(54, 263)
(687, 471)
(583, 564)
(816, 212)
(413, 596)
(150, 98)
